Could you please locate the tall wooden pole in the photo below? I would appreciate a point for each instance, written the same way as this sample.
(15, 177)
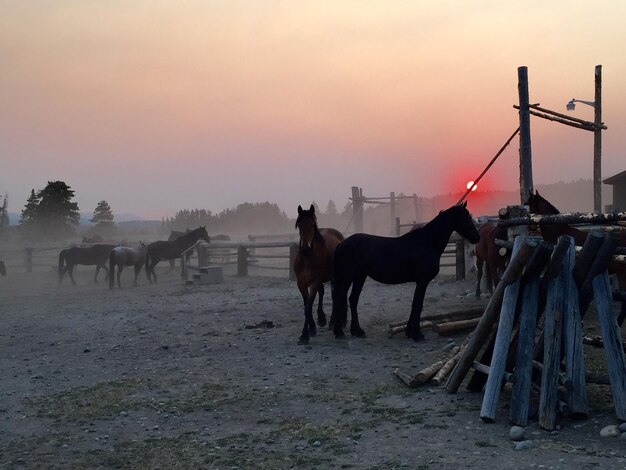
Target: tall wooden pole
(357, 208)
(392, 211)
(525, 153)
(597, 143)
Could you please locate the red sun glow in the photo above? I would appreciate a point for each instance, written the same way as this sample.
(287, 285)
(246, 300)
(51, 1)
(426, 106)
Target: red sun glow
(469, 185)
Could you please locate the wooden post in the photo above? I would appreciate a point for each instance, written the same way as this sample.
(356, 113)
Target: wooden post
(548, 396)
(525, 150)
(29, 259)
(392, 211)
(3, 269)
(184, 270)
(521, 252)
(293, 251)
(520, 399)
(500, 350)
(613, 347)
(416, 208)
(572, 338)
(597, 142)
(460, 259)
(357, 208)
(397, 226)
(242, 261)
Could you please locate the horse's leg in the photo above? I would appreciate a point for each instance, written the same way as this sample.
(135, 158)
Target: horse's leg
(357, 287)
(70, 273)
(492, 270)
(106, 270)
(304, 291)
(95, 278)
(479, 274)
(172, 264)
(321, 316)
(340, 307)
(152, 264)
(137, 270)
(119, 273)
(413, 325)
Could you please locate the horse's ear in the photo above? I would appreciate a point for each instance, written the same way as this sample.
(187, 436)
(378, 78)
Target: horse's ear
(312, 209)
(536, 193)
(464, 205)
(299, 209)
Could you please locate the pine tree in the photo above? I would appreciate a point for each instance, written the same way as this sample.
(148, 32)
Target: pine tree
(102, 215)
(51, 211)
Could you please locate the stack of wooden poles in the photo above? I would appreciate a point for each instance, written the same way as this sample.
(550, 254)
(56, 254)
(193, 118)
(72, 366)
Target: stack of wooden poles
(530, 333)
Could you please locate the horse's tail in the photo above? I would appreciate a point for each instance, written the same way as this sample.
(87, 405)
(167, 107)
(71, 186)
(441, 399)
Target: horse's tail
(112, 269)
(61, 264)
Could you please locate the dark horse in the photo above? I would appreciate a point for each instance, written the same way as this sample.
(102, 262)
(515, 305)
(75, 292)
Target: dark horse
(487, 252)
(174, 234)
(412, 257)
(172, 249)
(313, 266)
(121, 256)
(90, 255)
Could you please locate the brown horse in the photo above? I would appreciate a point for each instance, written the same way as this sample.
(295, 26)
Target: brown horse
(487, 252)
(126, 256)
(172, 249)
(89, 255)
(313, 267)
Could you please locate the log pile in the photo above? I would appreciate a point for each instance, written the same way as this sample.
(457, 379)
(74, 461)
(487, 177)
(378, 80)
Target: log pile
(532, 329)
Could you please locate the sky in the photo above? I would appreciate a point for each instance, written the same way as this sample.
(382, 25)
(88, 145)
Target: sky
(156, 106)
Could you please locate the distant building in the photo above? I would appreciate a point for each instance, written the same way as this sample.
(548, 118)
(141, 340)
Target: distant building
(618, 182)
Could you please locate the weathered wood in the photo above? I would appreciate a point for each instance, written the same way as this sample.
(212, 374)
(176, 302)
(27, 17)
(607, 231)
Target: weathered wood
(242, 261)
(422, 377)
(552, 353)
(402, 327)
(597, 141)
(453, 315)
(525, 147)
(564, 116)
(478, 379)
(484, 369)
(613, 347)
(520, 400)
(441, 375)
(500, 352)
(564, 218)
(599, 265)
(572, 339)
(452, 327)
(522, 250)
(586, 256)
(596, 341)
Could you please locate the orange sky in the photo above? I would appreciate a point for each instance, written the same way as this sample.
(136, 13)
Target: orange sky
(156, 106)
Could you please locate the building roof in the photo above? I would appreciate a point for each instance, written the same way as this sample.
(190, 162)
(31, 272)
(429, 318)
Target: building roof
(616, 179)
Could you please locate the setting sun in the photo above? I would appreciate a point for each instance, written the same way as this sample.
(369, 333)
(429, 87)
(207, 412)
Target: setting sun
(469, 185)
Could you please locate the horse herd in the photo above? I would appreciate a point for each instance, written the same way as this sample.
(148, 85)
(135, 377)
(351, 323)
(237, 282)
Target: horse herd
(120, 256)
(325, 256)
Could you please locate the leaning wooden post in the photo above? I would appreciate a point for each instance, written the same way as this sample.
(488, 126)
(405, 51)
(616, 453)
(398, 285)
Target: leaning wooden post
(520, 399)
(525, 152)
(357, 208)
(597, 142)
(490, 316)
(613, 347)
(548, 396)
(573, 339)
(500, 349)
(293, 251)
(242, 261)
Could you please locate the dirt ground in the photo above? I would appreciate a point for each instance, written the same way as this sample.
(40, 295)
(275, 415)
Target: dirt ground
(167, 376)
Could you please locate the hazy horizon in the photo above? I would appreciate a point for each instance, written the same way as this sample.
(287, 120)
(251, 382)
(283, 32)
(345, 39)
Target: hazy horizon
(159, 107)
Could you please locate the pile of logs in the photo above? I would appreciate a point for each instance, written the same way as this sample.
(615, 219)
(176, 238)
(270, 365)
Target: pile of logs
(444, 324)
(532, 330)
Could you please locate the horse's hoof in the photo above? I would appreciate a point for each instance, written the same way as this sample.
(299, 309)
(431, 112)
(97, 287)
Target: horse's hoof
(312, 331)
(303, 341)
(359, 333)
(418, 337)
(340, 335)
(321, 322)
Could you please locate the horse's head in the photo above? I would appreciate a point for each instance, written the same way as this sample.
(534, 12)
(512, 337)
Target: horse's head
(537, 204)
(463, 223)
(306, 223)
(202, 233)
